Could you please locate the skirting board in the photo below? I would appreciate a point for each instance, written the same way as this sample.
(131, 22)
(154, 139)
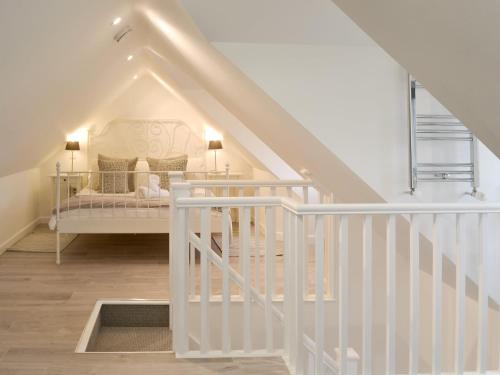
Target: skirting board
(21, 233)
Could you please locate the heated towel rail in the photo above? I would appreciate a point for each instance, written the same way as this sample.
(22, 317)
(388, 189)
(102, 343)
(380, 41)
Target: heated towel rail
(430, 127)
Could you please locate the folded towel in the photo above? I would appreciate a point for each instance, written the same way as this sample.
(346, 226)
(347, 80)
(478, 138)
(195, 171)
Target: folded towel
(154, 182)
(147, 193)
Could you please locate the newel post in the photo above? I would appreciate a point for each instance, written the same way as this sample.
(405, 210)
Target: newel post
(174, 177)
(178, 266)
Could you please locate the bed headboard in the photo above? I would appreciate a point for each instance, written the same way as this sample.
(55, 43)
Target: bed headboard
(147, 138)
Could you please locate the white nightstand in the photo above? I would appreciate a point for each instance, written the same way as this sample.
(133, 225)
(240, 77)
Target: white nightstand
(70, 183)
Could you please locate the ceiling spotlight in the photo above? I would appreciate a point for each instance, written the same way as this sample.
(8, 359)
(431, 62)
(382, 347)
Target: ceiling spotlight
(136, 76)
(130, 57)
(121, 34)
(117, 20)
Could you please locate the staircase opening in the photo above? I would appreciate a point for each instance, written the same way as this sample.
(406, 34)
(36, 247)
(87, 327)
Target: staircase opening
(127, 326)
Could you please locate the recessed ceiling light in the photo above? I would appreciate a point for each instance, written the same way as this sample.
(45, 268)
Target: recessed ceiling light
(136, 76)
(117, 20)
(130, 57)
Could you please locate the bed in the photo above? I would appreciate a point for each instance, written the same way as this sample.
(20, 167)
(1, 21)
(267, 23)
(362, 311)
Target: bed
(93, 211)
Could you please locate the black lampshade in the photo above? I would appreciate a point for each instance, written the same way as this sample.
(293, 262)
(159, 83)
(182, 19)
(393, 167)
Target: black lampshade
(214, 145)
(73, 146)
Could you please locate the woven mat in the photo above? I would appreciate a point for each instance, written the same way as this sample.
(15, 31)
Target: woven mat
(42, 240)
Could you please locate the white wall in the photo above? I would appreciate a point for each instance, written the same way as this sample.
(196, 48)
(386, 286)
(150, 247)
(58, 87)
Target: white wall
(18, 205)
(353, 99)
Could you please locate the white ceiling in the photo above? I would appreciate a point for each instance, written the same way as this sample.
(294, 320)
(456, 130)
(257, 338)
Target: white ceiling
(274, 21)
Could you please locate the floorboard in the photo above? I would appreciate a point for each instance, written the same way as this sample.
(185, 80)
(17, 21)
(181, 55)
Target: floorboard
(44, 308)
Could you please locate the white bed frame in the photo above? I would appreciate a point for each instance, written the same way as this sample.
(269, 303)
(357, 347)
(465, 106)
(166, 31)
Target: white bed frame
(157, 220)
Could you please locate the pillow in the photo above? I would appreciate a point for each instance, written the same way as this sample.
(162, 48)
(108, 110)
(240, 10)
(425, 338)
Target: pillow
(131, 167)
(177, 163)
(153, 163)
(114, 183)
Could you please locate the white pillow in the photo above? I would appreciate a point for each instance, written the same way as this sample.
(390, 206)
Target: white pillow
(141, 179)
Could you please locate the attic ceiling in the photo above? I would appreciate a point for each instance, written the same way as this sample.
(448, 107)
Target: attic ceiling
(276, 21)
(59, 63)
(61, 68)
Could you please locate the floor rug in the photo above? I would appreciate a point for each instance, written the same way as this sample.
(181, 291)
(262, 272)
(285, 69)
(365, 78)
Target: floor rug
(42, 240)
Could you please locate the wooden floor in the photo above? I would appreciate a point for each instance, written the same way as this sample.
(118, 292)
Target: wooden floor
(44, 307)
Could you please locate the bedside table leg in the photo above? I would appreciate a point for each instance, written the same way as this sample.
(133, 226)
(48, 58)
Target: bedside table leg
(58, 248)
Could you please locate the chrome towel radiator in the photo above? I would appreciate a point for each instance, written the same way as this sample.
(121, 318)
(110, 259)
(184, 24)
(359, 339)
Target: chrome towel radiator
(428, 127)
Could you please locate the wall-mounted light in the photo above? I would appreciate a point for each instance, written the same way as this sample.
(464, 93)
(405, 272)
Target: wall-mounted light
(130, 57)
(79, 135)
(117, 20)
(212, 135)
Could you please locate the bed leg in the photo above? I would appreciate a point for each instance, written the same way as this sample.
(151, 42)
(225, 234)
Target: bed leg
(58, 248)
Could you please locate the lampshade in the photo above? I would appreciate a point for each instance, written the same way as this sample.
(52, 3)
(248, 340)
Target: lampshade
(214, 145)
(73, 146)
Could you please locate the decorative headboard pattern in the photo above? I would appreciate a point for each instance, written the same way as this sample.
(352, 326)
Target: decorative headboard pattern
(148, 138)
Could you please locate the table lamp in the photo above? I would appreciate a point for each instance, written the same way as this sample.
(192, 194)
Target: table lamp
(215, 145)
(72, 146)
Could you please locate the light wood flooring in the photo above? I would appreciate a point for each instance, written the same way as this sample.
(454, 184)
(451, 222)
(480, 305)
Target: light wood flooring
(44, 308)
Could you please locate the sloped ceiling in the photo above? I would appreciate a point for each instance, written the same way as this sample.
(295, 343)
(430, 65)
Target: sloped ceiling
(277, 21)
(58, 64)
(450, 46)
(62, 66)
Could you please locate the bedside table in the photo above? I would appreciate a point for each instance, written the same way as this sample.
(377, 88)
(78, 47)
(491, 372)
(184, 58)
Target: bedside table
(69, 181)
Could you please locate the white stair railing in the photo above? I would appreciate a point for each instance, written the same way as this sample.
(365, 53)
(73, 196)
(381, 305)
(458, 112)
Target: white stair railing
(318, 336)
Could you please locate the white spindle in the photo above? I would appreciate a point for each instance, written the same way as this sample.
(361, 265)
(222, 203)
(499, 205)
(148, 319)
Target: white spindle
(305, 193)
(204, 298)
(343, 292)
(460, 299)
(273, 191)
(58, 212)
(102, 189)
(414, 295)
(114, 193)
(391, 296)
(67, 193)
(437, 273)
(247, 277)
(305, 272)
(257, 243)
(367, 295)
(226, 295)
(192, 270)
(482, 348)
(319, 306)
(330, 250)
(181, 241)
(240, 214)
(287, 280)
(298, 351)
(79, 178)
(269, 272)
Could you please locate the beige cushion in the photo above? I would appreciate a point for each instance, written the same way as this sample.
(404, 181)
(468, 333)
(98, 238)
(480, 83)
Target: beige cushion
(153, 163)
(176, 163)
(131, 167)
(114, 183)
